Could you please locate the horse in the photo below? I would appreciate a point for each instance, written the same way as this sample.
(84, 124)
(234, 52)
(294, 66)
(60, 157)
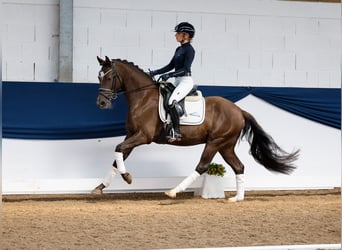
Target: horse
(224, 124)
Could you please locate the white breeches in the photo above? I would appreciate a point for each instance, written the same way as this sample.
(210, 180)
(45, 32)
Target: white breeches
(184, 85)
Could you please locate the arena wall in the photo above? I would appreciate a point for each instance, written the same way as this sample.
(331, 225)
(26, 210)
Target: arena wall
(238, 43)
(254, 42)
(62, 166)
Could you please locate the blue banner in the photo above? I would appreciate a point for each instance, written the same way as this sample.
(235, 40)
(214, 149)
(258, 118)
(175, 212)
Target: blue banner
(56, 111)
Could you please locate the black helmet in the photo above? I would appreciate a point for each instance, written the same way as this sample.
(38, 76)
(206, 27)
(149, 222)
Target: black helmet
(185, 27)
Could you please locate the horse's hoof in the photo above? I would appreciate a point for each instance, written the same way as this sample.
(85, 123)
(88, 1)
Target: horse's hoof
(127, 177)
(235, 199)
(172, 194)
(97, 191)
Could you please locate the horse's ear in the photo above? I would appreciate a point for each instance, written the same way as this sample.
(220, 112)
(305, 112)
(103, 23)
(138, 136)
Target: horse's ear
(108, 61)
(101, 61)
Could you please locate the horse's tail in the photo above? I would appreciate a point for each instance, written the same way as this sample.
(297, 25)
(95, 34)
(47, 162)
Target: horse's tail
(264, 149)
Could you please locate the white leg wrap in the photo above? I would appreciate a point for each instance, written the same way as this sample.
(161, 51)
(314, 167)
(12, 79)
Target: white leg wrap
(186, 182)
(109, 177)
(240, 188)
(118, 156)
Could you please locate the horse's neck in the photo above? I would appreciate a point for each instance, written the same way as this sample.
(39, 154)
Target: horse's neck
(138, 87)
(140, 95)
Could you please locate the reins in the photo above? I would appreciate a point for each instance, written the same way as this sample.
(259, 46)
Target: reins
(111, 94)
(137, 89)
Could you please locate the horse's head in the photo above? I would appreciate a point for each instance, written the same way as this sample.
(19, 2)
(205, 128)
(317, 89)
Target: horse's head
(108, 78)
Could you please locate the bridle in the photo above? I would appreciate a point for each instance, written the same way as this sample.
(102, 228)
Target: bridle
(112, 94)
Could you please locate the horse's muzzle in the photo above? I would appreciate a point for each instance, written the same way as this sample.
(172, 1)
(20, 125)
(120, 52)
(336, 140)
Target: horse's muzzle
(102, 103)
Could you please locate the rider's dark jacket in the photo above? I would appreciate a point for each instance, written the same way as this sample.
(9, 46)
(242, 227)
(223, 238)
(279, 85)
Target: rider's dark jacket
(181, 61)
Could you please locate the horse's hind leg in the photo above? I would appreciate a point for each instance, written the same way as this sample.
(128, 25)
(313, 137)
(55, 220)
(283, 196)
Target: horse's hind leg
(230, 157)
(207, 155)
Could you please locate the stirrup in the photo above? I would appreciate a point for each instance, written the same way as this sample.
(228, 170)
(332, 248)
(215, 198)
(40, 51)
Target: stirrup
(173, 136)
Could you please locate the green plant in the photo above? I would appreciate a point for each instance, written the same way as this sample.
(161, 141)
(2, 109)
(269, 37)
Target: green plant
(216, 169)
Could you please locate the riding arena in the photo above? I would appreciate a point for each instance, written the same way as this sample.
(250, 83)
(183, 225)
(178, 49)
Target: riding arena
(93, 156)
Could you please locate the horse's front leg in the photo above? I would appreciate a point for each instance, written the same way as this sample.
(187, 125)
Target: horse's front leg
(117, 168)
(119, 165)
(122, 151)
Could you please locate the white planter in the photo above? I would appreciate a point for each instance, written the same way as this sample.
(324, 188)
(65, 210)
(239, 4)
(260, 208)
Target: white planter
(213, 187)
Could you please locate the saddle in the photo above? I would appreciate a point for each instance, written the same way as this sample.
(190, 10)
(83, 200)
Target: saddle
(193, 105)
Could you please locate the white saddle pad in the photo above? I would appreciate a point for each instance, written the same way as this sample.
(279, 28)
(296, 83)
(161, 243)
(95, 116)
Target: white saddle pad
(194, 113)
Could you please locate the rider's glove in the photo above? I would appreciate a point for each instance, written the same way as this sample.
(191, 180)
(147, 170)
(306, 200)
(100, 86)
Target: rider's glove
(152, 73)
(165, 77)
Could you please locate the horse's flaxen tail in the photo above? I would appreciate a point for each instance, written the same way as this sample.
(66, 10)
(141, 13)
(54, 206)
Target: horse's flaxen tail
(264, 149)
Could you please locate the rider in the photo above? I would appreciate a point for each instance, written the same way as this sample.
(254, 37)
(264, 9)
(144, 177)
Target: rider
(181, 62)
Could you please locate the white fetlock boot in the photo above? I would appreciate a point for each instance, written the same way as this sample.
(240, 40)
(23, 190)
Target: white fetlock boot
(110, 176)
(183, 185)
(106, 181)
(240, 188)
(118, 156)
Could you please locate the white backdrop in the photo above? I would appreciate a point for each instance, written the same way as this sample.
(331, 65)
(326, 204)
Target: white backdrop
(77, 166)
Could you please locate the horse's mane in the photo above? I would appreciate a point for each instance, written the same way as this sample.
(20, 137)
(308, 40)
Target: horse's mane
(131, 64)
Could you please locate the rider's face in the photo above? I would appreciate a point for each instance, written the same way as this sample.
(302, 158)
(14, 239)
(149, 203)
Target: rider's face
(181, 37)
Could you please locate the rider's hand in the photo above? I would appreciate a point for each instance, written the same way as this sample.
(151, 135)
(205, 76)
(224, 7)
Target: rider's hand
(165, 77)
(152, 73)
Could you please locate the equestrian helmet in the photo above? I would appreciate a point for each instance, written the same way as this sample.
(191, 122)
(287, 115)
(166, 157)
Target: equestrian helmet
(185, 27)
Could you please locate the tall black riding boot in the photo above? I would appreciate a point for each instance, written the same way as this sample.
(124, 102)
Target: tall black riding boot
(175, 134)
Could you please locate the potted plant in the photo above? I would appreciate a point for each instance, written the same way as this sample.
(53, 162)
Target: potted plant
(216, 169)
(213, 185)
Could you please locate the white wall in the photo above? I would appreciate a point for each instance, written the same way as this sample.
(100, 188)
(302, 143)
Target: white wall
(255, 42)
(249, 42)
(76, 166)
(30, 40)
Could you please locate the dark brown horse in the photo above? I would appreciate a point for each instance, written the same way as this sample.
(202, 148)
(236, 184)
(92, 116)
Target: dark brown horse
(224, 124)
